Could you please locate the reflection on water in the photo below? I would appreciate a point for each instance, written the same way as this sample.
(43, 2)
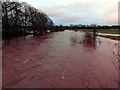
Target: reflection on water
(86, 39)
(89, 40)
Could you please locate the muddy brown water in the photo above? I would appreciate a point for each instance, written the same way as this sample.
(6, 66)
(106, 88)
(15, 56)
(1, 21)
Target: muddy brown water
(66, 59)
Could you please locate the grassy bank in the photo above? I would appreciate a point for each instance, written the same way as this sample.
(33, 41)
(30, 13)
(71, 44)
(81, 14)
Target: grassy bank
(108, 31)
(111, 37)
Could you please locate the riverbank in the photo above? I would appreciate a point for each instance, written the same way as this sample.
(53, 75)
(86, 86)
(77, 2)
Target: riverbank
(109, 36)
(106, 33)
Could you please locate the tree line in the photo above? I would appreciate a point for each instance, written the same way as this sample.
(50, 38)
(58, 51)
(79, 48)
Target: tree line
(80, 26)
(20, 19)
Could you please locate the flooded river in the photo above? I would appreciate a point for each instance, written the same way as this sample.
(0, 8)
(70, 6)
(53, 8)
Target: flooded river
(67, 59)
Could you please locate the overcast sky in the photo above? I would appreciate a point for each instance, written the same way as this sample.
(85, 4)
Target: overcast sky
(79, 11)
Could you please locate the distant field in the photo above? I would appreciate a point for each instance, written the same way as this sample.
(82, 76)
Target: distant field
(109, 31)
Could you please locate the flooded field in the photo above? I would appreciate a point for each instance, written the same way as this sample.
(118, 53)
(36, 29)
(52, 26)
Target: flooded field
(65, 59)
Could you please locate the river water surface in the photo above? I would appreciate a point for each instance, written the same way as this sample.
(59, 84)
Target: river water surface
(66, 59)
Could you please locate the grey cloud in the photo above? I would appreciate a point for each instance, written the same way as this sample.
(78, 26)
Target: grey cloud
(63, 12)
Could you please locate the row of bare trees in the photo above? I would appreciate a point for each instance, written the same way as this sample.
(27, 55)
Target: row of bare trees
(20, 19)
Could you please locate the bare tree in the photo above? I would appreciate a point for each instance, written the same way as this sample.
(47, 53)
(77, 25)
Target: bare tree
(20, 19)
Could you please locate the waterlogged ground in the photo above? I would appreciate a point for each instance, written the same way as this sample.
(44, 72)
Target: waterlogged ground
(65, 59)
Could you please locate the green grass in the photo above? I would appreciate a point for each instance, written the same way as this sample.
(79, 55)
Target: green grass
(112, 37)
(109, 31)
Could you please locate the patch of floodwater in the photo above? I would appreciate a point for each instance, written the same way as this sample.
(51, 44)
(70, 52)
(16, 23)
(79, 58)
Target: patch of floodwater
(48, 56)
